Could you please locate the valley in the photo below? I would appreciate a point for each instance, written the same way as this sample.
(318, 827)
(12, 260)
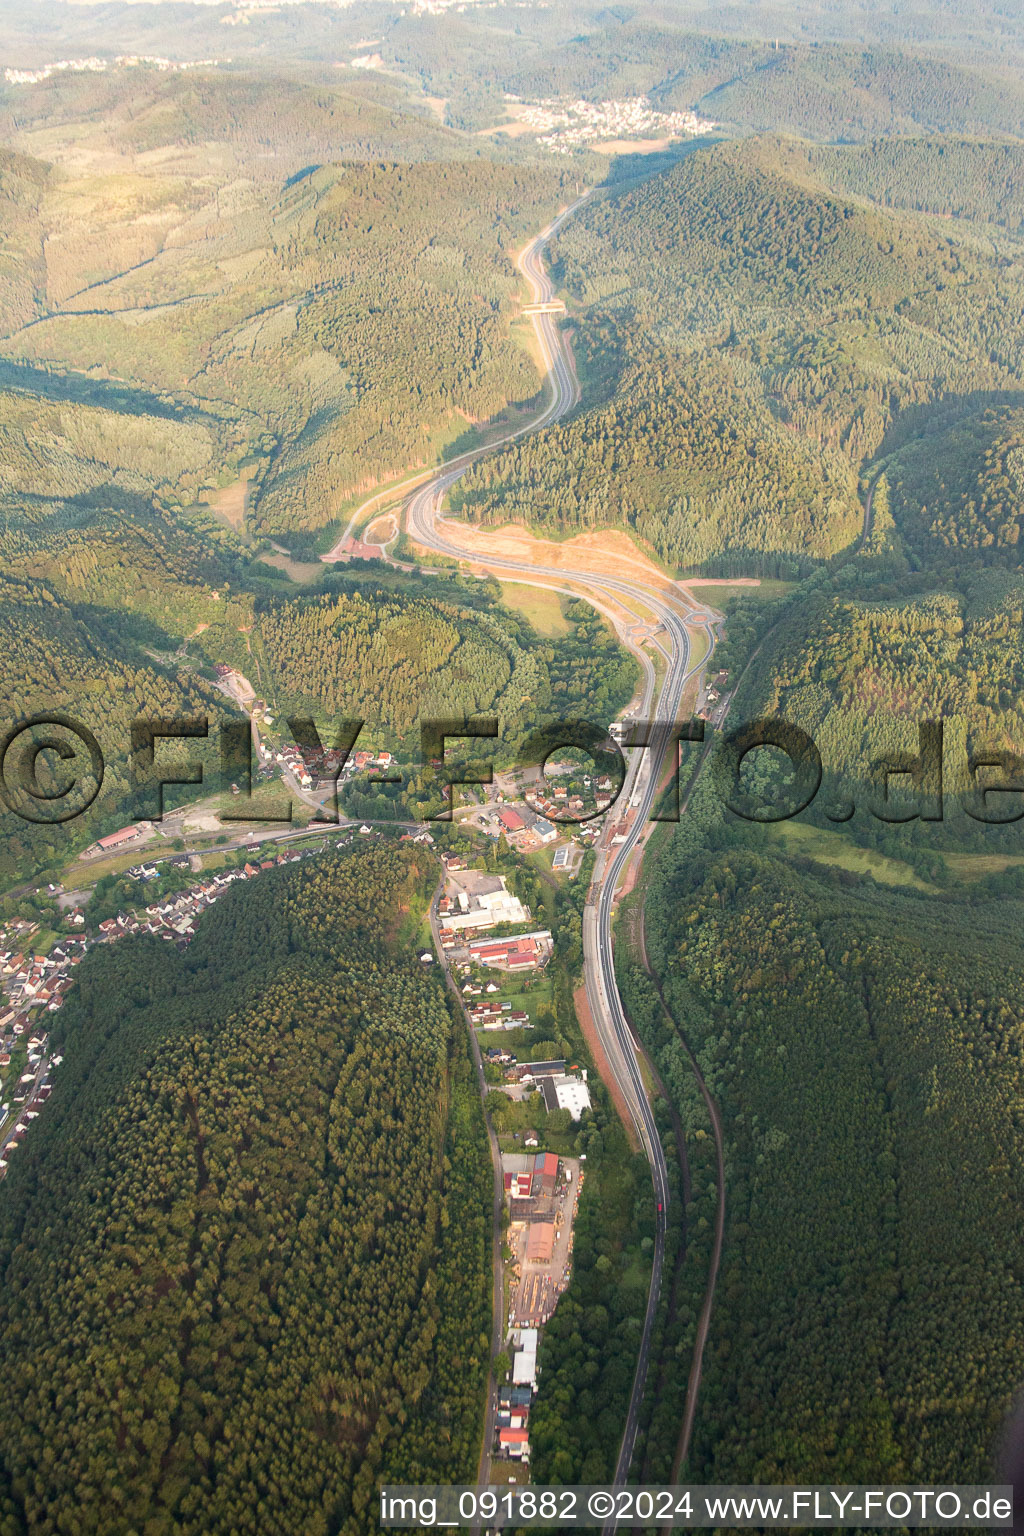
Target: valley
(416, 420)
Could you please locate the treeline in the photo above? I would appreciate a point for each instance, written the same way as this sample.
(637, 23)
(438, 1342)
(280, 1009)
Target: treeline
(252, 1226)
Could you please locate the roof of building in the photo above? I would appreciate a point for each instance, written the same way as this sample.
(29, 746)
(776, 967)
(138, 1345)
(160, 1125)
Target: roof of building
(540, 1241)
(570, 1093)
(112, 839)
(546, 1068)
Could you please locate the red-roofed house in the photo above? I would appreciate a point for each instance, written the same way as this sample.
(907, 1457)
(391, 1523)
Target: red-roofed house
(119, 839)
(545, 1172)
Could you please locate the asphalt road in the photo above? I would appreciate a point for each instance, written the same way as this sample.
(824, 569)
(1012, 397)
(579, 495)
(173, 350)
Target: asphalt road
(427, 527)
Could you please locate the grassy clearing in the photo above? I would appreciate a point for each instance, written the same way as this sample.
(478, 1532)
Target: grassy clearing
(42, 941)
(229, 504)
(80, 873)
(270, 798)
(700, 646)
(975, 866)
(524, 334)
(835, 849)
(529, 999)
(721, 596)
(300, 571)
(540, 605)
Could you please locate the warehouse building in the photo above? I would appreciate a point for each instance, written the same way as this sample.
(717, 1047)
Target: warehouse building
(540, 1242)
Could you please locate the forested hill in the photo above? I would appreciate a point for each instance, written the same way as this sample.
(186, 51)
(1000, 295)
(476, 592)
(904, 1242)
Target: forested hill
(865, 1051)
(21, 256)
(397, 653)
(244, 1263)
(752, 323)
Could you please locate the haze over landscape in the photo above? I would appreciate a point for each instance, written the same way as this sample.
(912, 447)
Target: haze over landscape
(511, 883)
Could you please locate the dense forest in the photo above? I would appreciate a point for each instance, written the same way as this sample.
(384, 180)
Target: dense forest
(864, 1049)
(249, 1238)
(957, 493)
(857, 673)
(396, 654)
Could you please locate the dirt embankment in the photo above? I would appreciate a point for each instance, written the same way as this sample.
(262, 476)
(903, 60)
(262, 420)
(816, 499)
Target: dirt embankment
(607, 552)
(596, 1049)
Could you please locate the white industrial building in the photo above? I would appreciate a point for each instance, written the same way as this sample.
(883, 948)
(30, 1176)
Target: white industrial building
(572, 1094)
(563, 1091)
(524, 1361)
(488, 904)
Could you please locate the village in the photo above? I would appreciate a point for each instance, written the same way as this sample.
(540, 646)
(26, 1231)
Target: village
(483, 928)
(566, 126)
(541, 822)
(497, 956)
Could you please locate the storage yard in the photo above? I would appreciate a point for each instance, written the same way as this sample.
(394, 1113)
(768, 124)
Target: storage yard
(542, 1194)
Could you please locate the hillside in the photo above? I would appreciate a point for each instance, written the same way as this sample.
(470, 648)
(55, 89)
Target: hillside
(838, 75)
(22, 265)
(250, 1234)
(748, 336)
(396, 654)
(194, 318)
(957, 494)
(258, 258)
(864, 1049)
(833, 92)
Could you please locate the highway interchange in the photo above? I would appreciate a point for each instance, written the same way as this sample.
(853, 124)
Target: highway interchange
(427, 528)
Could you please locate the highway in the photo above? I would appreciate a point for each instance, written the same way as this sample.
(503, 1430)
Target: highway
(678, 615)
